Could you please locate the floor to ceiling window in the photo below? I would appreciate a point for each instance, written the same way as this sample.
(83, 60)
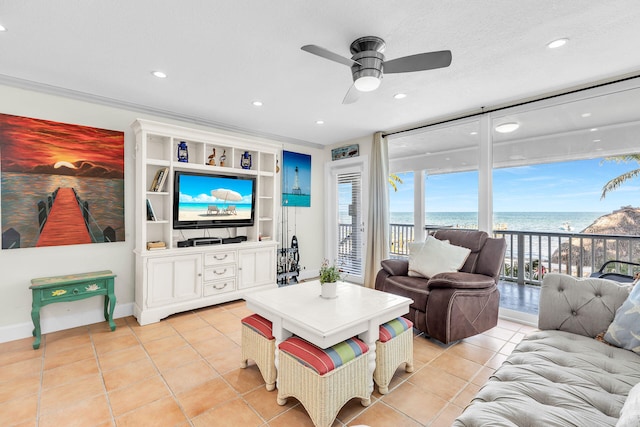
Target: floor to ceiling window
(549, 171)
(538, 184)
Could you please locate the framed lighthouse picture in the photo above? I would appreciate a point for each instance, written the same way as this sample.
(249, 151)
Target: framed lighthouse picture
(296, 179)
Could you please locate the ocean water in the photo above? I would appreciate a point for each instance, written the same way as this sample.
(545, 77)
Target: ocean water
(516, 221)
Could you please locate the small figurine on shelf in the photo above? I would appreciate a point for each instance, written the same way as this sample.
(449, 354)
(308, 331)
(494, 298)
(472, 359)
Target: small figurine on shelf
(183, 152)
(223, 158)
(212, 158)
(245, 160)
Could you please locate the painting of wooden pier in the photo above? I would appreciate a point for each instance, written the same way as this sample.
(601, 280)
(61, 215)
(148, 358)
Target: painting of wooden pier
(62, 184)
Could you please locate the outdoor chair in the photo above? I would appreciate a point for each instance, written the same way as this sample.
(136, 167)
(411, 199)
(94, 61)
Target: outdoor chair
(213, 210)
(231, 210)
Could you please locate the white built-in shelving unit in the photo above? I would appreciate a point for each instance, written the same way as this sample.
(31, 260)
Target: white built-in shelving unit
(176, 279)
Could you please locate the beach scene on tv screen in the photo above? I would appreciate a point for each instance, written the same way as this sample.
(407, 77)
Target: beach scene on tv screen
(214, 198)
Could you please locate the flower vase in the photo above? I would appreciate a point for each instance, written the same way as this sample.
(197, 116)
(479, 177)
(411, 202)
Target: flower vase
(328, 290)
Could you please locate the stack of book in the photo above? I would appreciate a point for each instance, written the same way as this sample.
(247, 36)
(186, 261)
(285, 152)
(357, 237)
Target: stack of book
(153, 246)
(158, 181)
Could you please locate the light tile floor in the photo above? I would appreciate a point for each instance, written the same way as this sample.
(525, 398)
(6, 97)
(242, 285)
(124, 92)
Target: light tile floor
(184, 371)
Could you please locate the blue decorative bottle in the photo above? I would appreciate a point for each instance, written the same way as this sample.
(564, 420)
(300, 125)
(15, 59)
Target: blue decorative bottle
(245, 160)
(183, 152)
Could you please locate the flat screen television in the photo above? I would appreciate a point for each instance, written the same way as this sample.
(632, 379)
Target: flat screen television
(202, 200)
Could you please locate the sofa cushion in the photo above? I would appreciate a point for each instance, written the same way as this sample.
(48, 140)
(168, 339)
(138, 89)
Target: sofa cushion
(624, 331)
(433, 256)
(460, 280)
(323, 360)
(581, 306)
(556, 378)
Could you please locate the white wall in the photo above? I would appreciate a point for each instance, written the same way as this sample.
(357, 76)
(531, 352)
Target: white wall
(19, 266)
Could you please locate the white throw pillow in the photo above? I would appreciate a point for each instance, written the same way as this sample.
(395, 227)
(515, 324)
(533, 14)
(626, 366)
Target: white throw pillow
(630, 412)
(433, 256)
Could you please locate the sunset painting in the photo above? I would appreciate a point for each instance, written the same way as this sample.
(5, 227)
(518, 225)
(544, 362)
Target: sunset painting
(62, 184)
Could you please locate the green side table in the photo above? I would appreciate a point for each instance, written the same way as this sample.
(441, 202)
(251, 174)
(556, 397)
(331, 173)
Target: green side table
(72, 287)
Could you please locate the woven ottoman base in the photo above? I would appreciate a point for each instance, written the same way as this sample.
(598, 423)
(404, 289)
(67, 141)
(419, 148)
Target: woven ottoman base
(322, 396)
(262, 351)
(389, 355)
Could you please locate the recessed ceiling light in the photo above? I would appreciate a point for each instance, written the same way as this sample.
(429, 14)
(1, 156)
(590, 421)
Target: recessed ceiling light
(597, 140)
(557, 43)
(473, 133)
(319, 122)
(257, 103)
(507, 127)
(599, 149)
(593, 129)
(2, 28)
(400, 95)
(447, 158)
(159, 74)
(586, 114)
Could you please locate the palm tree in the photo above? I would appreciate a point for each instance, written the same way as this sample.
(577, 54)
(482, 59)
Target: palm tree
(619, 180)
(394, 180)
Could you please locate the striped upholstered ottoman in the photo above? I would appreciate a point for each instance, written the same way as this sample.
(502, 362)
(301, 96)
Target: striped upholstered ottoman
(259, 344)
(395, 346)
(323, 380)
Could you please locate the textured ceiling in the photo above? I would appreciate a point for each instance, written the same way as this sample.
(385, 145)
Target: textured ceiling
(222, 55)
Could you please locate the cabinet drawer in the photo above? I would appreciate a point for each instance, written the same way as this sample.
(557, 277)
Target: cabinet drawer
(219, 272)
(219, 287)
(74, 291)
(219, 258)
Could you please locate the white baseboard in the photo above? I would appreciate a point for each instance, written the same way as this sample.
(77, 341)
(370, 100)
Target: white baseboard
(308, 274)
(519, 317)
(61, 322)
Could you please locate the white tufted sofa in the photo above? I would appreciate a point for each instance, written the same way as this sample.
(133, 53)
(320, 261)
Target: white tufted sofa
(561, 376)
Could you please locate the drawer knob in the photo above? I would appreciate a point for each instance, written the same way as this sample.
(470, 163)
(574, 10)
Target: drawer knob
(224, 285)
(220, 273)
(220, 258)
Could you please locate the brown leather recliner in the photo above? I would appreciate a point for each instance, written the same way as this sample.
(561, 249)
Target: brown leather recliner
(452, 306)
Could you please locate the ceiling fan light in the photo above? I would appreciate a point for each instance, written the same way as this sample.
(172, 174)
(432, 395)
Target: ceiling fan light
(507, 127)
(367, 83)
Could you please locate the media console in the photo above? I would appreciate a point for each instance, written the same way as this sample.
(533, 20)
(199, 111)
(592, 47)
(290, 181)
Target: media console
(197, 272)
(203, 241)
(199, 241)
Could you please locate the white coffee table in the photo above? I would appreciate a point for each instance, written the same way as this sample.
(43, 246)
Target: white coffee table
(299, 310)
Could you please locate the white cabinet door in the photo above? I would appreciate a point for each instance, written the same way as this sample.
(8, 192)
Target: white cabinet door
(256, 267)
(173, 279)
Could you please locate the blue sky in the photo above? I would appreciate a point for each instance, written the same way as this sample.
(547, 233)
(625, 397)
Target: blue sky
(554, 187)
(197, 188)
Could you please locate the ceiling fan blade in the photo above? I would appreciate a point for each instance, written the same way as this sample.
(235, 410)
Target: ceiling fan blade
(352, 95)
(419, 62)
(327, 54)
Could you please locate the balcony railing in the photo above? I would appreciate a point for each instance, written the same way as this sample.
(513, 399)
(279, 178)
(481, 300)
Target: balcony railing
(532, 254)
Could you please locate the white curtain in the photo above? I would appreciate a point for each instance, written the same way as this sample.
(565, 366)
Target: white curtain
(378, 223)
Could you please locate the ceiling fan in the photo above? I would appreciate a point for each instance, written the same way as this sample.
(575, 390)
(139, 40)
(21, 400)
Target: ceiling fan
(368, 63)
